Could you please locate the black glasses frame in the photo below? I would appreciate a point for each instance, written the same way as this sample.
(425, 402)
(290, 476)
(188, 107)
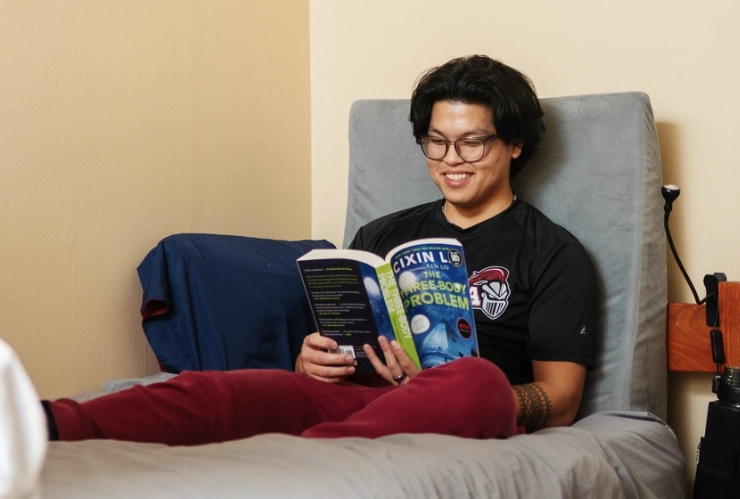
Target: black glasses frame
(424, 143)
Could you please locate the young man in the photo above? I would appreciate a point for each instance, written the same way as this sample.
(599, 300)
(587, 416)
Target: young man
(477, 121)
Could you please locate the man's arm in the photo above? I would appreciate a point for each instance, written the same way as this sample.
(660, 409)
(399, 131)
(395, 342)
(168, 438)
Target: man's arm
(554, 396)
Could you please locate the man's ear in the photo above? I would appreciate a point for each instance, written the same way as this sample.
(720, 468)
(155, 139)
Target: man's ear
(516, 150)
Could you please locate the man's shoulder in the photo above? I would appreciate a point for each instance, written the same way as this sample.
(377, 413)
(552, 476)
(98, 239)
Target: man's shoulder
(541, 228)
(554, 248)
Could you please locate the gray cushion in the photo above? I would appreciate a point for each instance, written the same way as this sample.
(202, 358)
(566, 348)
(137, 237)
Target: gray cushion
(598, 174)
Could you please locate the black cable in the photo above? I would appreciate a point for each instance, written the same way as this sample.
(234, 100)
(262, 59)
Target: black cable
(678, 261)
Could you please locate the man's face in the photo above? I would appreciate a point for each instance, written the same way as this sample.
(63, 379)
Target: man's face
(478, 189)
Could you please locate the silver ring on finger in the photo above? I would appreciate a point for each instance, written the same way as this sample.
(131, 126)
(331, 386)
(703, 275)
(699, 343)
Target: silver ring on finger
(400, 377)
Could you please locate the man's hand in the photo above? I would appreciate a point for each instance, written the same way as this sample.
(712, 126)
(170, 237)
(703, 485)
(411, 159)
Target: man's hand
(317, 361)
(398, 367)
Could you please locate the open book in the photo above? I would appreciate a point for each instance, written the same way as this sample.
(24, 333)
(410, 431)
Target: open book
(418, 295)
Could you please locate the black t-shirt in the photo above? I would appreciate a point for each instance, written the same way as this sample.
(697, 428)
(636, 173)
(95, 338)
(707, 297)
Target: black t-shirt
(532, 284)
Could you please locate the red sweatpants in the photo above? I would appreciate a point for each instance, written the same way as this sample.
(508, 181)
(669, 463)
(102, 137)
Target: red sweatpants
(468, 397)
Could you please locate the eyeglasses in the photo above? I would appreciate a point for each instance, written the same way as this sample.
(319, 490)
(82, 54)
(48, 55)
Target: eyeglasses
(469, 149)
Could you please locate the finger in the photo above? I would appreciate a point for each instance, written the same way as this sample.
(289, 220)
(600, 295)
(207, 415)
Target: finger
(378, 365)
(318, 342)
(333, 374)
(404, 361)
(329, 373)
(334, 359)
(395, 368)
(321, 360)
(390, 357)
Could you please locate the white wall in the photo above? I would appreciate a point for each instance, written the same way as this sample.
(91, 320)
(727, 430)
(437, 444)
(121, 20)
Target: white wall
(122, 122)
(683, 54)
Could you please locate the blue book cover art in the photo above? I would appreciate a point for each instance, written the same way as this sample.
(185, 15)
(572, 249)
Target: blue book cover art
(433, 283)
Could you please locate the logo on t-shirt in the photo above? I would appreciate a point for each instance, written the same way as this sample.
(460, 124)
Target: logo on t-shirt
(490, 290)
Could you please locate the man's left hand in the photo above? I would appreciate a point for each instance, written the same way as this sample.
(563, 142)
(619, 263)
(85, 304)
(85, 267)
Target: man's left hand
(398, 368)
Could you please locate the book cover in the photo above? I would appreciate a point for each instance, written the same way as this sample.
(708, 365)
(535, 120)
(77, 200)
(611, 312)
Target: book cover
(418, 296)
(433, 284)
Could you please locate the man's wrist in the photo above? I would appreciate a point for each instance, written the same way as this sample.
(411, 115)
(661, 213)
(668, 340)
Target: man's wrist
(534, 406)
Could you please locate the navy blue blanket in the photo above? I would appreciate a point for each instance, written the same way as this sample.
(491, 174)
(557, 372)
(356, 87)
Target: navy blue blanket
(225, 302)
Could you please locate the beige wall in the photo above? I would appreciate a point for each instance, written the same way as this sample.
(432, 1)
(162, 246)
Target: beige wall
(122, 123)
(684, 54)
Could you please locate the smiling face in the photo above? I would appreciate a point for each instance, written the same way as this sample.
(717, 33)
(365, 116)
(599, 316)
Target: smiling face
(475, 191)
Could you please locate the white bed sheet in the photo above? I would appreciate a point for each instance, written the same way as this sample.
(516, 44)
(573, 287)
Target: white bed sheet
(606, 455)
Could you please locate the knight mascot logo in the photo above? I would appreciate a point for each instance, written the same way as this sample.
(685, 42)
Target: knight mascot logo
(489, 291)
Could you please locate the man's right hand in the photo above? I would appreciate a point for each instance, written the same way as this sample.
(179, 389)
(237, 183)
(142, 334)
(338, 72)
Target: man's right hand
(316, 361)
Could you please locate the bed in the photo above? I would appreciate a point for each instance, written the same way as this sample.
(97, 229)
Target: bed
(597, 173)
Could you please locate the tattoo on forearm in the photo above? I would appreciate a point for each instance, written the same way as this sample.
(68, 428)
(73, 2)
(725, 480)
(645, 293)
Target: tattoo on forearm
(534, 406)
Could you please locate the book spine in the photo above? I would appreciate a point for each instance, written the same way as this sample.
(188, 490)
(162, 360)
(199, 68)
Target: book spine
(396, 312)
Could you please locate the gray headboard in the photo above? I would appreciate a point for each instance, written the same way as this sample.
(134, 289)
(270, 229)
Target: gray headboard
(598, 174)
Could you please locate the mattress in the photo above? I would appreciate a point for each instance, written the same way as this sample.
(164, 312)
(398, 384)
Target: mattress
(605, 455)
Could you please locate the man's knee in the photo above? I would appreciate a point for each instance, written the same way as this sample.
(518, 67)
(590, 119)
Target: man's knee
(477, 394)
(479, 372)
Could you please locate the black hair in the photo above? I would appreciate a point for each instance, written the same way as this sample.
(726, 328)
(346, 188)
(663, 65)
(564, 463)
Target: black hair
(509, 94)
